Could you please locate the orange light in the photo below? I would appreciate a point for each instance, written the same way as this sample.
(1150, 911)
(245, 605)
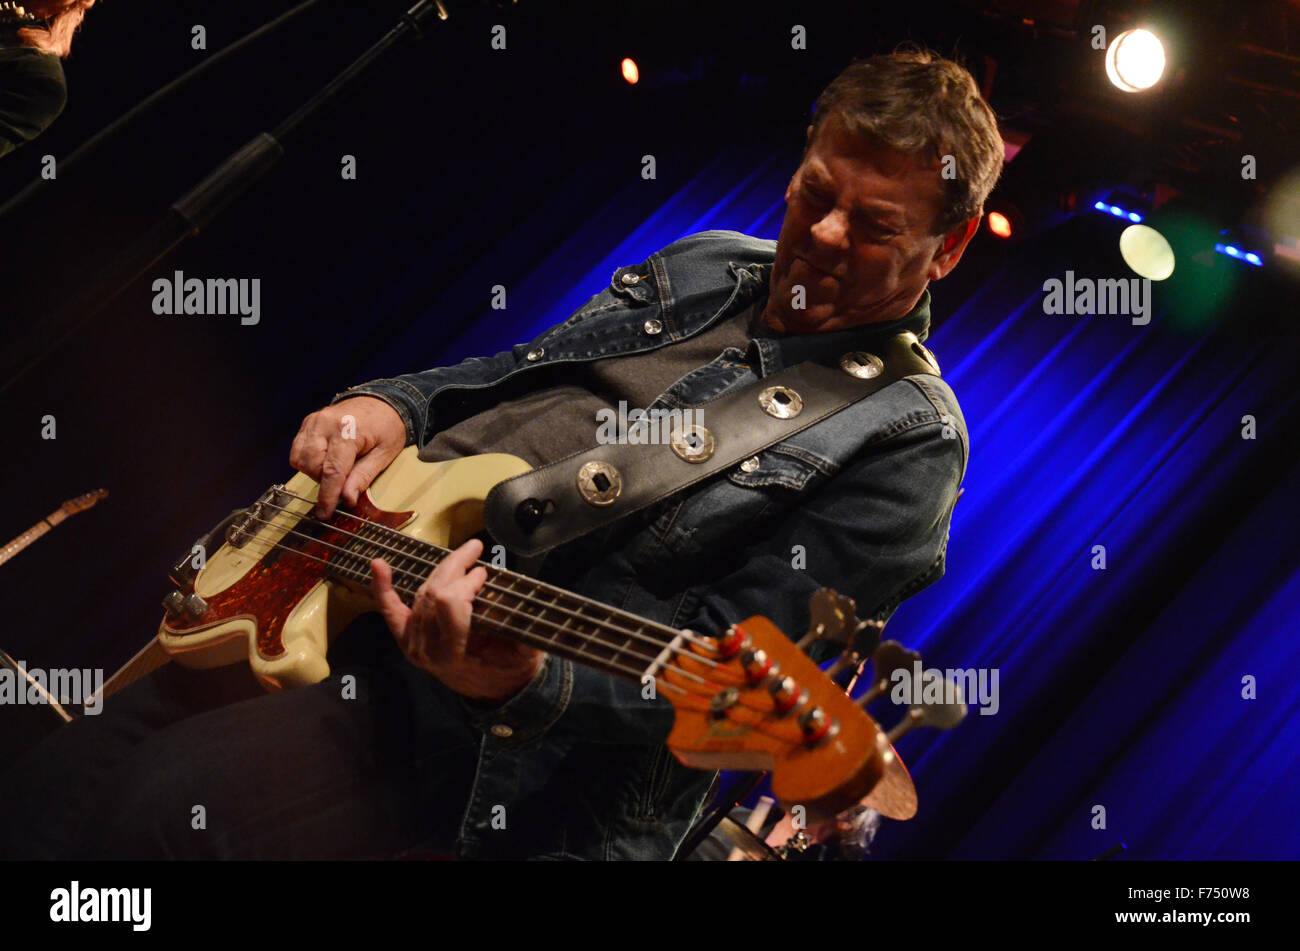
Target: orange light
(999, 225)
(630, 72)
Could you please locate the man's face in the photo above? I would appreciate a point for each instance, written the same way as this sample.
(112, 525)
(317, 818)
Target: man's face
(856, 236)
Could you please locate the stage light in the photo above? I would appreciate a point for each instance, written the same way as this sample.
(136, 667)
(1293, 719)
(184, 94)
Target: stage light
(1146, 251)
(1117, 211)
(1279, 224)
(999, 224)
(630, 71)
(1135, 60)
(1234, 252)
(1200, 282)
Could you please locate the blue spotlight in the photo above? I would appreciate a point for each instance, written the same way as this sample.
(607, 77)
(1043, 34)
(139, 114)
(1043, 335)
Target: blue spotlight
(1117, 211)
(1235, 252)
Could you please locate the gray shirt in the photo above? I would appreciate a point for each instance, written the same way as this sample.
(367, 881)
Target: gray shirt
(557, 421)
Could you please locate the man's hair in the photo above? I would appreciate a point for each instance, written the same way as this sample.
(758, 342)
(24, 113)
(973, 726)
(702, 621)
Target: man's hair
(916, 102)
(65, 16)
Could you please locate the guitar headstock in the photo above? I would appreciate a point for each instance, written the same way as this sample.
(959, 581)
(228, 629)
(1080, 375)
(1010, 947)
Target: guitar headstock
(751, 699)
(82, 502)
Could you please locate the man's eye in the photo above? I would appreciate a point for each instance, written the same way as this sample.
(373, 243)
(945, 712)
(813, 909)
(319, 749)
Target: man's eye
(818, 197)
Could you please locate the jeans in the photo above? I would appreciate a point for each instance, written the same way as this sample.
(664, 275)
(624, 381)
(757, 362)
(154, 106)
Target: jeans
(205, 764)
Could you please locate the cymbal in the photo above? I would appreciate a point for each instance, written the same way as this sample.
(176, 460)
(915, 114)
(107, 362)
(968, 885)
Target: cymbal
(894, 797)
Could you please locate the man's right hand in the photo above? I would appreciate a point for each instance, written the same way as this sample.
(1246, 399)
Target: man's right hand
(344, 446)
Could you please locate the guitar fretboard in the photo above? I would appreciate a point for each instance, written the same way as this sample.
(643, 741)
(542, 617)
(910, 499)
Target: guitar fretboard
(23, 540)
(540, 615)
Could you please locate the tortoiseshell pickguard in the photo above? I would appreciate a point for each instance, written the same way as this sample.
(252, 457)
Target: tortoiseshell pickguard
(273, 588)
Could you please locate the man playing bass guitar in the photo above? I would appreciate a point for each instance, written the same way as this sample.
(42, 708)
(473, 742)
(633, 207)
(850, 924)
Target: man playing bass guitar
(452, 739)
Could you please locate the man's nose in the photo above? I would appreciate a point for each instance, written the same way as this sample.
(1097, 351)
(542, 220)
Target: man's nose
(832, 230)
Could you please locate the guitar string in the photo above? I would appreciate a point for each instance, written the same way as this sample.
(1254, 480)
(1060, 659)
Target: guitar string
(417, 579)
(400, 573)
(399, 537)
(523, 634)
(657, 645)
(779, 731)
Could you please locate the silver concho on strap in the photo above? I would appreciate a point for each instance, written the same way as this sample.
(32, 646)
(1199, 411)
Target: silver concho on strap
(692, 443)
(599, 483)
(781, 402)
(861, 364)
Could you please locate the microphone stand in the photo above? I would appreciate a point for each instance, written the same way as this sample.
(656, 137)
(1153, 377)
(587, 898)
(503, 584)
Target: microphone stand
(197, 209)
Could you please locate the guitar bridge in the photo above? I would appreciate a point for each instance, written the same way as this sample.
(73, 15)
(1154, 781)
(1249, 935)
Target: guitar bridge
(235, 530)
(251, 519)
(245, 527)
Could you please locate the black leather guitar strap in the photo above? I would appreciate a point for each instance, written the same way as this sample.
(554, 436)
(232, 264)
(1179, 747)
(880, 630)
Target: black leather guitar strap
(535, 511)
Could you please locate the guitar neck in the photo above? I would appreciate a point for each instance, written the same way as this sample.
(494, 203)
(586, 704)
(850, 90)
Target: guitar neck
(540, 615)
(29, 536)
(70, 507)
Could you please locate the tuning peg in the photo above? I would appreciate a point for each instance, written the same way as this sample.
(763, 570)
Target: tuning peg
(887, 658)
(817, 726)
(864, 641)
(848, 659)
(891, 656)
(831, 616)
(786, 694)
(758, 666)
(941, 716)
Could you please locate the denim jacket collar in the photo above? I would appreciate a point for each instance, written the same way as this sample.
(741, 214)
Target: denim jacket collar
(779, 351)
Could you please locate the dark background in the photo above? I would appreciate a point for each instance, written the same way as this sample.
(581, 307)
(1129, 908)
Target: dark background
(522, 168)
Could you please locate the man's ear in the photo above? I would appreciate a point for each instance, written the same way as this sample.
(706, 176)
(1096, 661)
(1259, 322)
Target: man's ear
(954, 244)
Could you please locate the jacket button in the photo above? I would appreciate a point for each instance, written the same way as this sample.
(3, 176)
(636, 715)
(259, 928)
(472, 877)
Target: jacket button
(653, 326)
(750, 464)
(501, 730)
(630, 278)
(536, 353)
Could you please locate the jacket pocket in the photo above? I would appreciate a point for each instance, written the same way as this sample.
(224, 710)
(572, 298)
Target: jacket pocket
(725, 512)
(635, 283)
(782, 465)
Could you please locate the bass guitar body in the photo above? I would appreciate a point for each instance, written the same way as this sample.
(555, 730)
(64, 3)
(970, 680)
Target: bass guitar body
(250, 603)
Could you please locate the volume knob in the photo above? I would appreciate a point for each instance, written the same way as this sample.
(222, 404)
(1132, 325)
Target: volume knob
(174, 603)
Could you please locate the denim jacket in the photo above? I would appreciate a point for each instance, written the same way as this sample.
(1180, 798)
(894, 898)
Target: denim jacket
(859, 502)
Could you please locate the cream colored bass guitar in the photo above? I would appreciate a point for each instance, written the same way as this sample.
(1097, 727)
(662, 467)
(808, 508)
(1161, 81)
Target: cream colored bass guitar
(281, 584)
